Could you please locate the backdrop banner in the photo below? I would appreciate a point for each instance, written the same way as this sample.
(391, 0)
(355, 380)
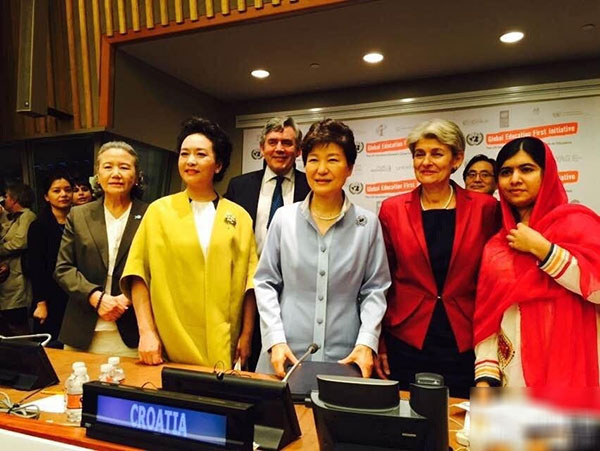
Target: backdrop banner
(571, 127)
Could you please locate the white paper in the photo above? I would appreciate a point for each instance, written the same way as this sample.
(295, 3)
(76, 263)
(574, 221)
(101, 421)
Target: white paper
(50, 404)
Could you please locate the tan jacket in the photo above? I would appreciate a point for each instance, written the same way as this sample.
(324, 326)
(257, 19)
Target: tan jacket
(15, 292)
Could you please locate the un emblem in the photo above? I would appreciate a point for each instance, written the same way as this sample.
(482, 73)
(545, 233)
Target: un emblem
(256, 154)
(360, 146)
(355, 188)
(474, 139)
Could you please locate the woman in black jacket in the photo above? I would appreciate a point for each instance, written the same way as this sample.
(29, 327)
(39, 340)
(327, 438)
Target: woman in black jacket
(45, 233)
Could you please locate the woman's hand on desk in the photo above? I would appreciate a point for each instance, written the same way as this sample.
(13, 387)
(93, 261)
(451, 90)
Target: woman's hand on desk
(382, 366)
(150, 348)
(362, 355)
(280, 353)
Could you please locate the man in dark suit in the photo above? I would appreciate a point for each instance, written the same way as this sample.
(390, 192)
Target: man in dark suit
(262, 192)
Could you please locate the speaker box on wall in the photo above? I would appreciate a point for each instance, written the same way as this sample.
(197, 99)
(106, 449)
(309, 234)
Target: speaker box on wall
(32, 92)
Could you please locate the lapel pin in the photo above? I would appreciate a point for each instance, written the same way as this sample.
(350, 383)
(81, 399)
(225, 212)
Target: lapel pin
(137, 217)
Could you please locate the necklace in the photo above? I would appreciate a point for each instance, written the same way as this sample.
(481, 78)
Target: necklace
(326, 218)
(445, 207)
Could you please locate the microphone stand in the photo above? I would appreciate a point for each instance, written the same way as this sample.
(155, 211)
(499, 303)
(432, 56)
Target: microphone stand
(311, 350)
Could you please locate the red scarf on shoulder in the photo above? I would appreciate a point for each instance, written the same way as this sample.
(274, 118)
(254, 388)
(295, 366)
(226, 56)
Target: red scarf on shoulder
(559, 340)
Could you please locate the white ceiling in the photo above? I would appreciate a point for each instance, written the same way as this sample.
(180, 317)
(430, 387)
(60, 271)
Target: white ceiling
(419, 39)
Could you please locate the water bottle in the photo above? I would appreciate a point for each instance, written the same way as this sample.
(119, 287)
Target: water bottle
(74, 391)
(71, 377)
(117, 374)
(105, 373)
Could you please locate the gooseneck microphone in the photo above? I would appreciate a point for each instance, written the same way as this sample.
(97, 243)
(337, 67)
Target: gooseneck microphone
(312, 348)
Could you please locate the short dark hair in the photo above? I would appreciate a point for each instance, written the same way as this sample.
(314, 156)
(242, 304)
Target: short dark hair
(329, 131)
(476, 159)
(22, 193)
(82, 181)
(215, 134)
(533, 147)
(54, 176)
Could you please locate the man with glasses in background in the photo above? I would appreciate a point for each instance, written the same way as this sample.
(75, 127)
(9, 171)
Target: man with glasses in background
(262, 192)
(480, 174)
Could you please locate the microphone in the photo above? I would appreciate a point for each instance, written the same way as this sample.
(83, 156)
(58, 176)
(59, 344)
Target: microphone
(46, 337)
(312, 348)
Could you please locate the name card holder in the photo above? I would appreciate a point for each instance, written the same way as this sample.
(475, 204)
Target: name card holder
(162, 420)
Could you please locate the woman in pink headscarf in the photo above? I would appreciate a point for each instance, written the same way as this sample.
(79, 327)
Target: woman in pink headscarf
(538, 296)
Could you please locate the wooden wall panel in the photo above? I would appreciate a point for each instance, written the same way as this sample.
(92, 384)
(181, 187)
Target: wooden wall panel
(85, 66)
(149, 9)
(96, 21)
(210, 8)
(164, 13)
(73, 63)
(108, 17)
(193, 10)
(135, 15)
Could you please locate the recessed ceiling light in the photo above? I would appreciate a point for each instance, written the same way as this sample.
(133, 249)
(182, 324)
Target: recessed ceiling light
(314, 65)
(407, 100)
(511, 37)
(588, 27)
(373, 58)
(260, 73)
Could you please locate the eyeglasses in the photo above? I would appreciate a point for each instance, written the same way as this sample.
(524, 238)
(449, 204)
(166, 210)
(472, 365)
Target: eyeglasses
(483, 175)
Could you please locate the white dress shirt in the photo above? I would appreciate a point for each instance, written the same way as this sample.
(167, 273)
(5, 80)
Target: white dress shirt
(114, 232)
(264, 202)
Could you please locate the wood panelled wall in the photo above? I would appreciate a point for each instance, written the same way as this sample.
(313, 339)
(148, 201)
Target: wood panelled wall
(81, 42)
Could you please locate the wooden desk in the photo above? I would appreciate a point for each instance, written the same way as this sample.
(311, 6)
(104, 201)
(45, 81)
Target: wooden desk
(54, 426)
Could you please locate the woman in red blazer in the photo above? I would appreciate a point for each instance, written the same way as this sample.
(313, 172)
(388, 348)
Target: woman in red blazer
(434, 237)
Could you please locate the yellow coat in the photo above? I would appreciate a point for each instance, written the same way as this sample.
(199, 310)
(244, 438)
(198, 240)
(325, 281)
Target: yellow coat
(197, 303)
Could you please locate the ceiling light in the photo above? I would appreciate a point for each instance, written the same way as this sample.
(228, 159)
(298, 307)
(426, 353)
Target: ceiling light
(260, 73)
(315, 110)
(373, 58)
(314, 65)
(588, 27)
(511, 37)
(407, 100)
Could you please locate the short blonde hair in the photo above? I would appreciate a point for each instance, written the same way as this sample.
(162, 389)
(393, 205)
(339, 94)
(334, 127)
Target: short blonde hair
(446, 132)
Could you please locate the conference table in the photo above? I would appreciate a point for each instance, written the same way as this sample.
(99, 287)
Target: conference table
(55, 427)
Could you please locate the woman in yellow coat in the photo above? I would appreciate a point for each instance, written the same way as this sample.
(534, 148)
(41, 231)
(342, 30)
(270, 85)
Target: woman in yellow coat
(190, 266)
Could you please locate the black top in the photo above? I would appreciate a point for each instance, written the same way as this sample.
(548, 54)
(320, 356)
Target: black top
(440, 352)
(439, 226)
(43, 241)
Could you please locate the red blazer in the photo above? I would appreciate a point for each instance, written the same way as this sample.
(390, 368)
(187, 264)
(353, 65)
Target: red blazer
(411, 298)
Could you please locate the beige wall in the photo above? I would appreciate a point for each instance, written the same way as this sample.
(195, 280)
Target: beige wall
(150, 106)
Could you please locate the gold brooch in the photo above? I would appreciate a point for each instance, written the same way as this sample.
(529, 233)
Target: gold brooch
(230, 219)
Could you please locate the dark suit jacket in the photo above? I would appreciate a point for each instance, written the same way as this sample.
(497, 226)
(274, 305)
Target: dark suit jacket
(413, 294)
(43, 241)
(244, 190)
(82, 266)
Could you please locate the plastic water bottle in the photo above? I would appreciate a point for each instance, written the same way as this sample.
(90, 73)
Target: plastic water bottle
(74, 391)
(105, 373)
(71, 377)
(117, 373)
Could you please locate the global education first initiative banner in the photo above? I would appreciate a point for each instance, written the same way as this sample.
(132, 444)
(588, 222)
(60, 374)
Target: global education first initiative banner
(571, 127)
